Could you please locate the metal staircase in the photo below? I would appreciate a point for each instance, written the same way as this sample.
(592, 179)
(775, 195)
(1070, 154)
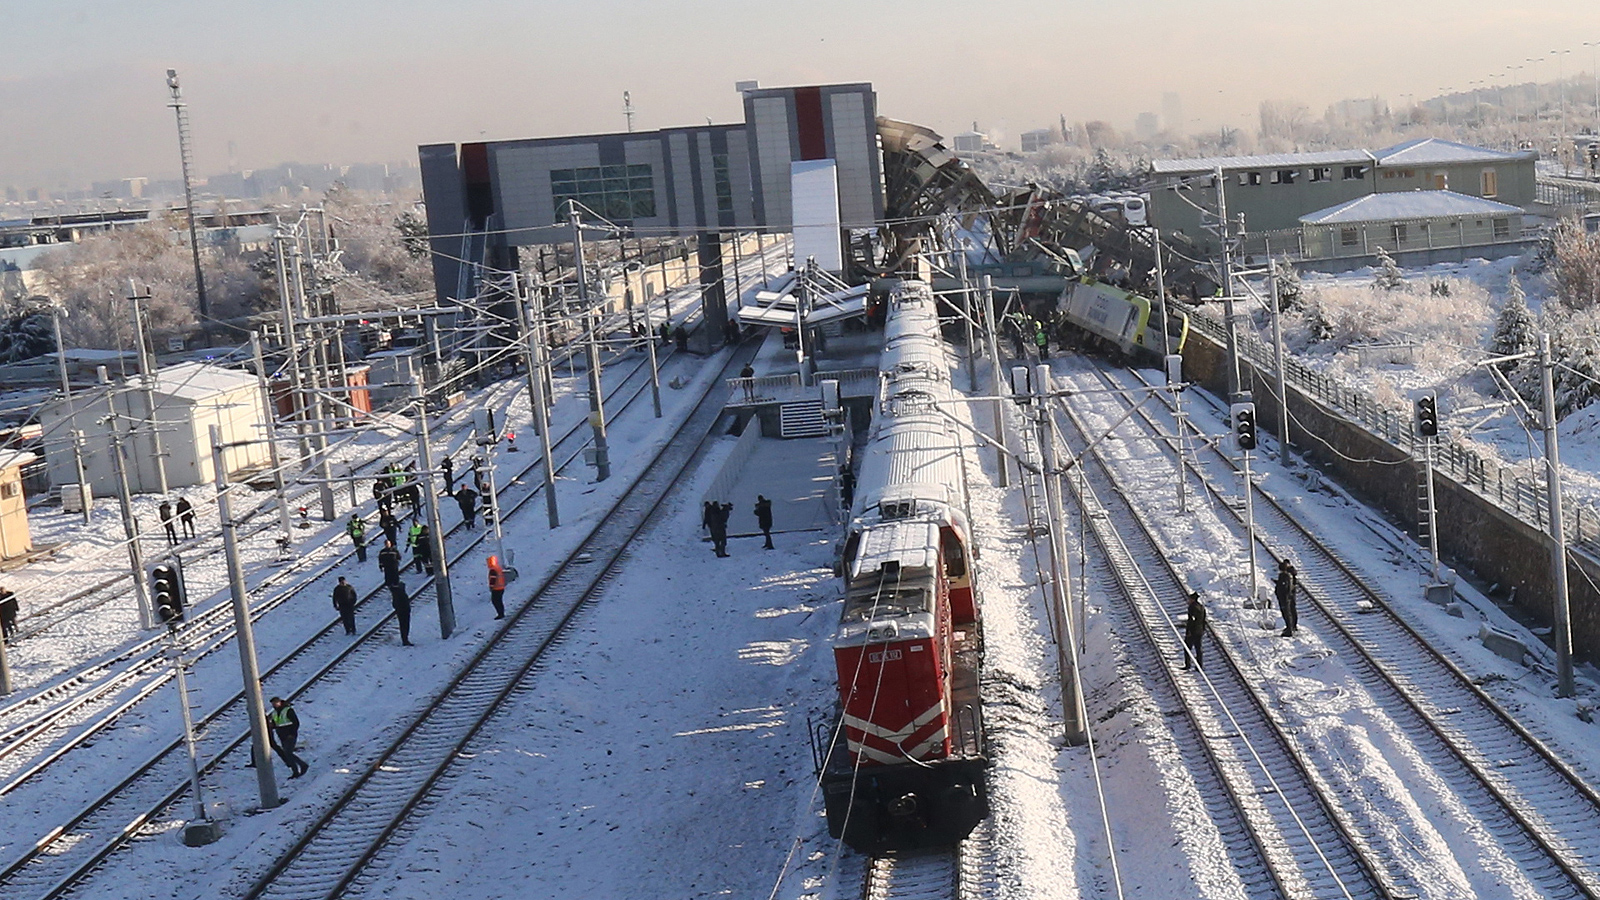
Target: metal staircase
(802, 418)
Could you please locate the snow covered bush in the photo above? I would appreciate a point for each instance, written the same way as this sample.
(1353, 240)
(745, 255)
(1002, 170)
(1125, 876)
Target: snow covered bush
(1341, 313)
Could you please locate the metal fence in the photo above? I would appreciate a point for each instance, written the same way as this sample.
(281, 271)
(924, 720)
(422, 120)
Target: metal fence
(1520, 493)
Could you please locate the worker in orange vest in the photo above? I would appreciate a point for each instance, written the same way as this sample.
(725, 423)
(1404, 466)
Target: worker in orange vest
(497, 587)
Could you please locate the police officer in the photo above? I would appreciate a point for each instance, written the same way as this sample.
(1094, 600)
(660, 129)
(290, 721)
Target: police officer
(1284, 588)
(344, 600)
(1194, 631)
(285, 728)
(389, 562)
(357, 529)
(390, 526)
(422, 548)
(497, 586)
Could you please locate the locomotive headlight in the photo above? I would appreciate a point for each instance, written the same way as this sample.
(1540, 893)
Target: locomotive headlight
(883, 631)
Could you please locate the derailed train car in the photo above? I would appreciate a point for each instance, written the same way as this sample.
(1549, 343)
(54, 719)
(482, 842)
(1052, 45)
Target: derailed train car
(905, 767)
(1119, 318)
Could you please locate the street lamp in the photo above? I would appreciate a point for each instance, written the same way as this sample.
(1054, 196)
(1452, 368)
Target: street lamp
(1594, 75)
(1535, 61)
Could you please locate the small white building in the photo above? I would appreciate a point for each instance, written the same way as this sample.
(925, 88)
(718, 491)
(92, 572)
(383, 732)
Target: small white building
(1037, 139)
(1403, 221)
(970, 141)
(188, 399)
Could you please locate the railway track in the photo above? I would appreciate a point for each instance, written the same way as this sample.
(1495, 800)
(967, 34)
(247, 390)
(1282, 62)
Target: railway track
(375, 810)
(67, 853)
(1542, 813)
(925, 876)
(1286, 838)
(94, 699)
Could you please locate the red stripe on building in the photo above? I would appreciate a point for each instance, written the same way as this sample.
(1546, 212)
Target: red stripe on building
(808, 121)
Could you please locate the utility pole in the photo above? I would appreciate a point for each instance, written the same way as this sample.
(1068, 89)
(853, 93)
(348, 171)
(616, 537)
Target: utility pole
(627, 109)
(147, 374)
(1227, 287)
(1074, 715)
(1161, 293)
(989, 321)
(1277, 360)
(269, 410)
(291, 346)
(324, 472)
(245, 638)
(966, 307)
(650, 338)
(181, 110)
(597, 409)
(84, 494)
(532, 348)
(1558, 534)
(441, 564)
(130, 527)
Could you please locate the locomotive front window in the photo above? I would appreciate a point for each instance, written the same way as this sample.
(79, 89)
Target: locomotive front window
(955, 561)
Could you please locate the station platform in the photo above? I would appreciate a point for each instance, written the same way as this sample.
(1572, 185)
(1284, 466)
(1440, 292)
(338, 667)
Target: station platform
(797, 475)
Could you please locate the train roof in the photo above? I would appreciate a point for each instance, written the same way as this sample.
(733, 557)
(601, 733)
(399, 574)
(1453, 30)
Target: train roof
(893, 584)
(918, 456)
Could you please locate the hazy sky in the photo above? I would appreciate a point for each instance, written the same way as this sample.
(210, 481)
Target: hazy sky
(82, 92)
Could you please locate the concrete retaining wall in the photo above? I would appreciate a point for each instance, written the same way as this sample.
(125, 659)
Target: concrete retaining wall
(1502, 548)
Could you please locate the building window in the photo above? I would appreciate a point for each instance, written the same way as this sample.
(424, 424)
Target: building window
(1489, 182)
(1397, 231)
(1441, 181)
(10, 489)
(724, 184)
(1502, 229)
(1400, 173)
(1355, 173)
(1349, 237)
(616, 192)
(1323, 173)
(1249, 177)
(1283, 176)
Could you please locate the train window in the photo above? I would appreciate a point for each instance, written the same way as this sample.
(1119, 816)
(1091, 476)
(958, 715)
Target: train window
(955, 560)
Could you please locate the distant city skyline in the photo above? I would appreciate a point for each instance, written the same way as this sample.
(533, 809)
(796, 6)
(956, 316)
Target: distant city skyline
(83, 99)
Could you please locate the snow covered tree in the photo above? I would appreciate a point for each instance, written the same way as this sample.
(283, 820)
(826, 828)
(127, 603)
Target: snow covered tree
(1319, 327)
(1575, 265)
(413, 231)
(1389, 276)
(1291, 292)
(1514, 330)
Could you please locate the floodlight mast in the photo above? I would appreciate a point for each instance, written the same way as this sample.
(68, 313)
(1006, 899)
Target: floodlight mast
(181, 110)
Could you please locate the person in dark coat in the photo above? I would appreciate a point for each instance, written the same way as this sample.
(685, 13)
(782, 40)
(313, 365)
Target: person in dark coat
(390, 526)
(681, 336)
(449, 467)
(389, 562)
(719, 527)
(666, 333)
(1194, 631)
(764, 518)
(344, 600)
(380, 493)
(730, 331)
(285, 728)
(847, 486)
(357, 529)
(467, 499)
(165, 511)
(708, 511)
(8, 614)
(402, 610)
(186, 516)
(1284, 587)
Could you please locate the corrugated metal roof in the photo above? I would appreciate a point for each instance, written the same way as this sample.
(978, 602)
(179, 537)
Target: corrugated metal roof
(12, 458)
(1437, 151)
(1407, 205)
(1262, 161)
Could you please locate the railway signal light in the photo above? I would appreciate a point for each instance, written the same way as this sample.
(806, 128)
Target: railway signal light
(1428, 415)
(167, 594)
(1244, 425)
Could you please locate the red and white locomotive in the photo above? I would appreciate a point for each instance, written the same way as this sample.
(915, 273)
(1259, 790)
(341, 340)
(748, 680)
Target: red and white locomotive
(909, 771)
